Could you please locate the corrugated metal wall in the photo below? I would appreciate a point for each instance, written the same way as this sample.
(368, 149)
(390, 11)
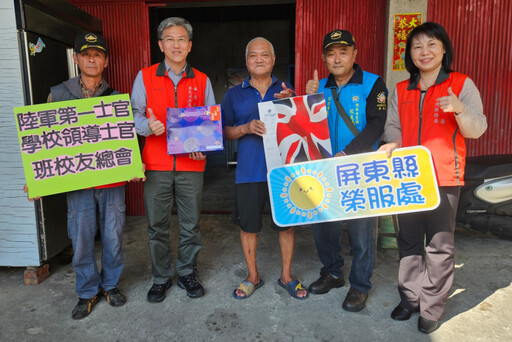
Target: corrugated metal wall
(366, 20)
(481, 34)
(482, 38)
(126, 29)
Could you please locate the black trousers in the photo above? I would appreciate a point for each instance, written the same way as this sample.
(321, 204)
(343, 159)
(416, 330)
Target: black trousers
(425, 274)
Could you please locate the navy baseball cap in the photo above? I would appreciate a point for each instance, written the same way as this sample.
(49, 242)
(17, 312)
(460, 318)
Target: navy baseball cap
(338, 37)
(90, 40)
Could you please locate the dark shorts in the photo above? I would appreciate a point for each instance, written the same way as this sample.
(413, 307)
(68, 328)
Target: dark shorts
(250, 201)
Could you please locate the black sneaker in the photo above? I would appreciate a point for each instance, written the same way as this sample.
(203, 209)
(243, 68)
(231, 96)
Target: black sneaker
(191, 283)
(156, 293)
(84, 307)
(114, 297)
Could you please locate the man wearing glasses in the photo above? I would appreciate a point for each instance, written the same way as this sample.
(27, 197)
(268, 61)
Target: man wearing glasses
(171, 83)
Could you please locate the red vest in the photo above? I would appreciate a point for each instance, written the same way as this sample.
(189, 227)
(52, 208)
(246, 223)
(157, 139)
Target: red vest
(161, 93)
(433, 128)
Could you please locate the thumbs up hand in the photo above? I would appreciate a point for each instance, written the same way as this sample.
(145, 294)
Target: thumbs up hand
(286, 92)
(155, 125)
(312, 85)
(451, 103)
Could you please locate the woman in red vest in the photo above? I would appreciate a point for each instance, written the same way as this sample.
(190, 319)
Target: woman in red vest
(437, 108)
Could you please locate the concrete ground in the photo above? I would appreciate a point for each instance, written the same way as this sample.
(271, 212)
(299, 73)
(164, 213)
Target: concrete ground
(479, 307)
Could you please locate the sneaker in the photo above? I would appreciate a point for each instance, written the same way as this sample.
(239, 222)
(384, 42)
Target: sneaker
(114, 297)
(191, 283)
(156, 293)
(84, 307)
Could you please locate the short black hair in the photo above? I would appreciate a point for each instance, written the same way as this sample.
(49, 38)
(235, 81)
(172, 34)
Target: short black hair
(431, 30)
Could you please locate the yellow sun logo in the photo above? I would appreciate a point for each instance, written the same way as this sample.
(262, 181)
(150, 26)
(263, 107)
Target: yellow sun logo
(306, 192)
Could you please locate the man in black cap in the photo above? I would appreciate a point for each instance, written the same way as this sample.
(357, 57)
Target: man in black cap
(356, 102)
(91, 57)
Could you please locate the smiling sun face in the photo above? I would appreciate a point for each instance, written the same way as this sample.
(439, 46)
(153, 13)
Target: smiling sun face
(306, 192)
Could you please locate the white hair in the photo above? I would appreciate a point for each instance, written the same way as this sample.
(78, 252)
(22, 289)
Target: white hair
(259, 38)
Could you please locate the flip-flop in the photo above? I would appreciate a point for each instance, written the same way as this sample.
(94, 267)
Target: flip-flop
(293, 287)
(248, 288)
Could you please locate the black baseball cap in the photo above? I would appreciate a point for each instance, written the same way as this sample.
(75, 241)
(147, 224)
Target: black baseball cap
(90, 40)
(338, 37)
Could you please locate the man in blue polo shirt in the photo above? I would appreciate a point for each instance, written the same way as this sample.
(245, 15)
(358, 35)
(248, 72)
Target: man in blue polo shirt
(356, 104)
(241, 122)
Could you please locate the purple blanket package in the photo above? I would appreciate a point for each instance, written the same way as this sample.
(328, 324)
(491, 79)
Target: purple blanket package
(196, 129)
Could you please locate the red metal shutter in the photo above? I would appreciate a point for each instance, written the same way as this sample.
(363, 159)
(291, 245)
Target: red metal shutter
(481, 34)
(366, 20)
(126, 29)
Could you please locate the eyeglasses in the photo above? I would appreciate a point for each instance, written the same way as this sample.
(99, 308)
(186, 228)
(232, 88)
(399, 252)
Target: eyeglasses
(179, 41)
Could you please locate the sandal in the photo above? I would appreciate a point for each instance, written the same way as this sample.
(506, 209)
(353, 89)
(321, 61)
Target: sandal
(293, 287)
(247, 288)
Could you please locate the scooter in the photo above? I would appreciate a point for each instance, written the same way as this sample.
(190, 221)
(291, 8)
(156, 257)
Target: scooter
(485, 202)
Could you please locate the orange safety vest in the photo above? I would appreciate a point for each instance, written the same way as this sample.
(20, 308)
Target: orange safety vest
(161, 94)
(431, 127)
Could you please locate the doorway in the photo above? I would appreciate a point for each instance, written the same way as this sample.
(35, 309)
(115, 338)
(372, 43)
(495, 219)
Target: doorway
(221, 32)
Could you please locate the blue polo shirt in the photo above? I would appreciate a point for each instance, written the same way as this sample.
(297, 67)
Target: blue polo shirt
(240, 106)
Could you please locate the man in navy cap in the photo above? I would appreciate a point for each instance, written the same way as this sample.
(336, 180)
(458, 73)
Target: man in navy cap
(356, 102)
(91, 57)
